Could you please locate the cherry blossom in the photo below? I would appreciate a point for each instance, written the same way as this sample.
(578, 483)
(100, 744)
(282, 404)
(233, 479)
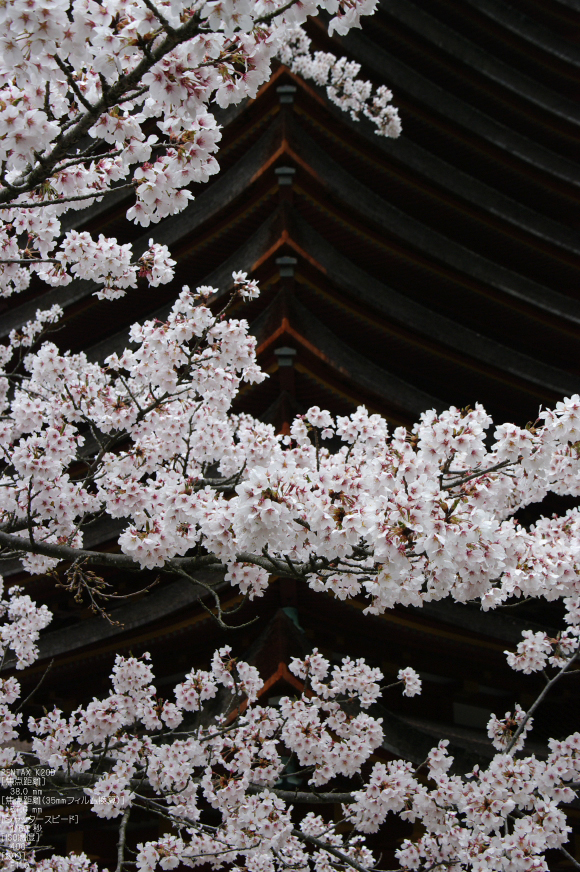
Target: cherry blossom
(19, 632)
(98, 97)
(411, 681)
(408, 517)
(119, 95)
(234, 762)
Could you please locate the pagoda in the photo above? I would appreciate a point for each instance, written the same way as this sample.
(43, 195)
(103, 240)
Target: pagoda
(434, 270)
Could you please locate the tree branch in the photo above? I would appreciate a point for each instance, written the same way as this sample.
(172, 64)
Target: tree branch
(75, 199)
(33, 691)
(312, 840)
(99, 558)
(568, 856)
(122, 837)
(542, 696)
(159, 16)
(217, 615)
(78, 94)
(176, 564)
(28, 260)
(476, 474)
(266, 19)
(304, 797)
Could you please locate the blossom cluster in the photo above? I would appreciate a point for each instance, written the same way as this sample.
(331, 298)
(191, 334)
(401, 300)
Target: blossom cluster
(537, 649)
(22, 621)
(411, 681)
(405, 517)
(218, 779)
(251, 747)
(344, 87)
(115, 95)
(118, 94)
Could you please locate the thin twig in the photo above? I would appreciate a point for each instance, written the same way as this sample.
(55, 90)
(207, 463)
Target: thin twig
(160, 17)
(74, 199)
(302, 837)
(77, 92)
(217, 615)
(542, 696)
(32, 692)
(266, 19)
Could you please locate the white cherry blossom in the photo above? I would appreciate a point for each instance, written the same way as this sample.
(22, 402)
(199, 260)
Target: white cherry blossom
(95, 97)
(118, 95)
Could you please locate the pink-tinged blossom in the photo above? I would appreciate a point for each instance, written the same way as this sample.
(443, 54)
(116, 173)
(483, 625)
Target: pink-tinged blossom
(99, 45)
(502, 731)
(235, 766)
(401, 518)
(532, 652)
(380, 518)
(19, 632)
(411, 681)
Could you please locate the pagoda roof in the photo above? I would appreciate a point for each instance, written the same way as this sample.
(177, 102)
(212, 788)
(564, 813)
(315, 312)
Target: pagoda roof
(441, 268)
(437, 269)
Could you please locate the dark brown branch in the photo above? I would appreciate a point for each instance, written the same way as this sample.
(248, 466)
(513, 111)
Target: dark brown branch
(159, 16)
(178, 565)
(110, 97)
(569, 857)
(541, 697)
(75, 199)
(122, 837)
(97, 558)
(312, 840)
(477, 474)
(29, 260)
(305, 798)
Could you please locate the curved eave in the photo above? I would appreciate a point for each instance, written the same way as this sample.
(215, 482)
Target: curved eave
(425, 169)
(465, 53)
(517, 22)
(450, 108)
(362, 304)
(378, 212)
(373, 297)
